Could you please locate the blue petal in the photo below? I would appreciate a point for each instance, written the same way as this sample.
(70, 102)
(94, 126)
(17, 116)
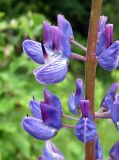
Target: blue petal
(102, 23)
(52, 100)
(85, 130)
(98, 149)
(101, 42)
(66, 48)
(33, 50)
(115, 114)
(105, 39)
(114, 151)
(35, 108)
(53, 72)
(37, 129)
(51, 116)
(109, 59)
(109, 98)
(51, 152)
(74, 109)
(65, 26)
(47, 34)
(60, 42)
(74, 100)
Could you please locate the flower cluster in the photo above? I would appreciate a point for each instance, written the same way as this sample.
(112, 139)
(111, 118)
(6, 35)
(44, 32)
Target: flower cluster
(47, 117)
(55, 50)
(54, 53)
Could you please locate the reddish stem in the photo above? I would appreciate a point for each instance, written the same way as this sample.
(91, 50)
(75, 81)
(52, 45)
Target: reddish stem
(90, 70)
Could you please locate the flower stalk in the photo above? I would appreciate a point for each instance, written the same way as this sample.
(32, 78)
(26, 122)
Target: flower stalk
(70, 117)
(78, 57)
(90, 66)
(79, 45)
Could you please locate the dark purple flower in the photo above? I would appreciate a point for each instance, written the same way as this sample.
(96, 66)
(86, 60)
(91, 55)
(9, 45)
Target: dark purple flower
(74, 100)
(85, 129)
(54, 54)
(107, 50)
(110, 97)
(114, 151)
(51, 152)
(47, 118)
(98, 149)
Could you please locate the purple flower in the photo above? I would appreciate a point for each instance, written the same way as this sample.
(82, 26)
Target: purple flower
(47, 117)
(54, 54)
(74, 100)
(114, 152)
(110, 97)
(98, 150)
(51, 152)
(85, 129)
(107, 50)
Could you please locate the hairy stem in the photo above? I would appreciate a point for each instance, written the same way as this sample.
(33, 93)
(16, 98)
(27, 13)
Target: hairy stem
(90, 69)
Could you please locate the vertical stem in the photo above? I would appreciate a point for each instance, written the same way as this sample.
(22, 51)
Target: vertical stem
(90, 68)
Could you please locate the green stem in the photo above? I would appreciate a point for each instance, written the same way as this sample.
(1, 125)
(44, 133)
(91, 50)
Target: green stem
(90, 68)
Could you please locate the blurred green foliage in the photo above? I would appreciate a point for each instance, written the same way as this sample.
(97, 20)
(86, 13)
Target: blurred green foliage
(23, 19)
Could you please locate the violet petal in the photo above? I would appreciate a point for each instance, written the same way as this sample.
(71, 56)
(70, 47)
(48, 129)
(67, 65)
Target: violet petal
(98, 150)
(52, 100)
(114, 151)
(35, 108)
(115, 114)
(74, 100)
(51, 116)
(109, 59)
(53, 72)
(51, 152)
(65, 26)
(37, 129)
(85, 130)
(47, 34)
(33, 50)
(109, 98)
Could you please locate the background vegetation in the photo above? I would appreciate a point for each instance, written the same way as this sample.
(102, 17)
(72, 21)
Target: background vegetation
(18, 21)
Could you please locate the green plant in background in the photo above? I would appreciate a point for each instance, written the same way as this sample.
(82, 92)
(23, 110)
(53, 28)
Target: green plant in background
(17, 82)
